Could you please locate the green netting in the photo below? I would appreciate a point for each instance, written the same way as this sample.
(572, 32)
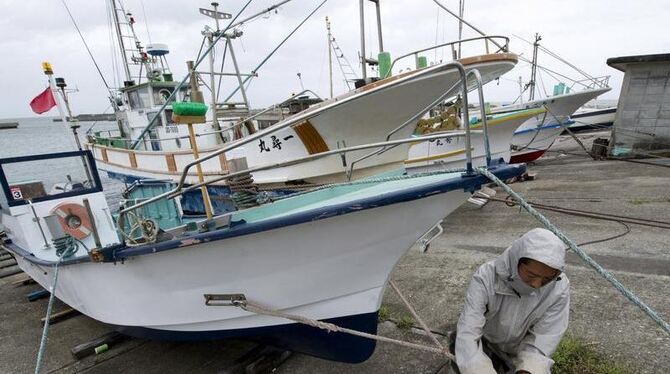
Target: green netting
(189, 109)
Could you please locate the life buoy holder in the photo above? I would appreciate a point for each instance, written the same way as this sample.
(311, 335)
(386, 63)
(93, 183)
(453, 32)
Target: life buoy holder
(74, 220)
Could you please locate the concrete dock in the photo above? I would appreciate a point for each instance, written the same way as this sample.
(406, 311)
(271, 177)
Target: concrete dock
(435, 283)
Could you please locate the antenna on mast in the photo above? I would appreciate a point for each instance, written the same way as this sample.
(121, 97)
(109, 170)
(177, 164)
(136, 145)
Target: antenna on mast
(533, 71)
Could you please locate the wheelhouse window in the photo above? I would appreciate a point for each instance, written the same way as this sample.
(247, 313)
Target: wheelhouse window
(139, 98)
(46, 177)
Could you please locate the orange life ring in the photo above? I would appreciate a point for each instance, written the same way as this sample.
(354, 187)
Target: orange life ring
(73, 219)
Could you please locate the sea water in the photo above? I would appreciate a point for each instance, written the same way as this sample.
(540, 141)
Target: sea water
(40, 135)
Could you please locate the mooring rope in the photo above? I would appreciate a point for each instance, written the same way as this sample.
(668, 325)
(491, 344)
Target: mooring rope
(416, 315)
(65, 247)
(256, 308)
(586, 213)
(599, 269)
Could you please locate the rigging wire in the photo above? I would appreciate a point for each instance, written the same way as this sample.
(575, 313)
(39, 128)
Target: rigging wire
(249, 78)
(543, 162)
(88, 50)
(544, 89)
(223, 62)
(149, 126)
(559, 58)
(555, 72)
(146, 22)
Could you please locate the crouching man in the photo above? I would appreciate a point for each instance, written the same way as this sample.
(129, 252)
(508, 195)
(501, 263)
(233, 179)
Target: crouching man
(516, 309)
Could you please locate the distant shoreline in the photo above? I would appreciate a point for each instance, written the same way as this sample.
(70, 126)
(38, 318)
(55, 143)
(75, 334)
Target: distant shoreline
(90, 117)
(8, 125)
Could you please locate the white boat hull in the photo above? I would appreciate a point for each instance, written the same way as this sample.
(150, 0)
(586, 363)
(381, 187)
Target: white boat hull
(367, 120)
(536, 135)
(449, 153)
(593, 119)
(326, 254)
(327, 268)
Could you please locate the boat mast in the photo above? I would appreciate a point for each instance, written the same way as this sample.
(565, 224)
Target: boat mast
(142, 59)
(364, 60)
(364, 73)
(210, 40)
(533, 72)
(330, 56)
(461, 10)
(379, 26)
(117, 24)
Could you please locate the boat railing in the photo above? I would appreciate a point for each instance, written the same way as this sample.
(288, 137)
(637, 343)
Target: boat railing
(592, 83)
(502, 42)
(299, 118)
(413, 119)
(272, 107)
(127, 141)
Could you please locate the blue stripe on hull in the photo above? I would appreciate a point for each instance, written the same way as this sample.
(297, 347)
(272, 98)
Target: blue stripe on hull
(334, 346)
(544, 127)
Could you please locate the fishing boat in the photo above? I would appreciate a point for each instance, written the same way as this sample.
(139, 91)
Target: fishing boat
(450, 152)
(590, 119)
(378, 111)
(168, 280)
(532, 139)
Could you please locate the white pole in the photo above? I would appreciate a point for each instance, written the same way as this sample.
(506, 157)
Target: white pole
(330, 57)
(364, 73)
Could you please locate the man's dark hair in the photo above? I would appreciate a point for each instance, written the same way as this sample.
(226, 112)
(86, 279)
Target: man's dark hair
(525, 260)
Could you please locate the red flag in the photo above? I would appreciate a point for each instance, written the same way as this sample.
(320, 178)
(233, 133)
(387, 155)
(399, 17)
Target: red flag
(43, 102)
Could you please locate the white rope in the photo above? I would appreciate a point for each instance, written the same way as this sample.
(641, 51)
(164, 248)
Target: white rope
(416, 316)
(256, 308)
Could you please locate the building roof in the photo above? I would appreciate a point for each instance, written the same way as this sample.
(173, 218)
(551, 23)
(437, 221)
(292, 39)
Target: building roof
(620, 63)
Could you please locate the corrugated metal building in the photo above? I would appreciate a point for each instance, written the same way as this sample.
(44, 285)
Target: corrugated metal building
(642, 124)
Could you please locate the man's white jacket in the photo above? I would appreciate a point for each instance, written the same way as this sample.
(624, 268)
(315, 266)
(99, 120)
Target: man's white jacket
(523, 322)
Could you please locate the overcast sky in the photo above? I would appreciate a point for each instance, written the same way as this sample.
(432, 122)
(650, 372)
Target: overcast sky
(584, 32)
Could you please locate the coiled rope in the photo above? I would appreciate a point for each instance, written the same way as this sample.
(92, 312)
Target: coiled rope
(65, 247)
(243, 191)
(599, 269)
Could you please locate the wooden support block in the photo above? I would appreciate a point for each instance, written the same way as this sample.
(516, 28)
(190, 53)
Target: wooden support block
(6, 272)
(259, 359)
(7, 263)
(86, 349)
(40, 294)
(61, 316)
(271, 359)
(23, 282)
